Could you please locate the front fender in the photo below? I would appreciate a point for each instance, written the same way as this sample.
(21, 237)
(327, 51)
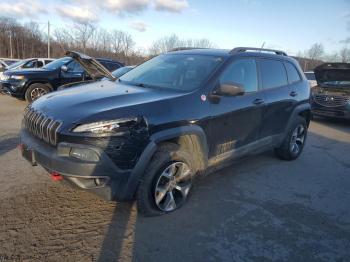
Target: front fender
(198, 137)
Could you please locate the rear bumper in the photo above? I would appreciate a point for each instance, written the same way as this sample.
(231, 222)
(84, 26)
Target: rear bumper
(116, 184)
(341, 112)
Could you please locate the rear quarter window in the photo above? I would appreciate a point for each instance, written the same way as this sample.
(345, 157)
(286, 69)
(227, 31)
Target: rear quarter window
(292, 72)
(273, 73)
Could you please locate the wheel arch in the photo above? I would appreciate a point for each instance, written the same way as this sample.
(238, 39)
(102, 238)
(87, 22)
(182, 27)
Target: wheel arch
(301, 110)
(44, 82)
(191, 137)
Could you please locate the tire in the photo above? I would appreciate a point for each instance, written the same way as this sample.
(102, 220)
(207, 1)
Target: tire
(169, 157)
(34, 91)
(294, 142)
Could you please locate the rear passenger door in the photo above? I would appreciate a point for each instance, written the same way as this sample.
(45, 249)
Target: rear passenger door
(276, 90)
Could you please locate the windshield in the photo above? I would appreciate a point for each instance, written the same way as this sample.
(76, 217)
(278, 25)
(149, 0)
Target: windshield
(10, 62)
(57, 63)
(180, 72)
(19, 63)
(121, 71)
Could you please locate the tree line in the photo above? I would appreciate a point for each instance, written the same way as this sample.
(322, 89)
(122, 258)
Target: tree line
(24, 40)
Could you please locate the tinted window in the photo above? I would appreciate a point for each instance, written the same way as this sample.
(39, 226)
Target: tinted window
(58, 63)
(273, 74)
(75, 67)
(110, 66)
(30, 64)
(40, 64)
(173, 71)
(242, 72)
(47, 61)
(293, 75)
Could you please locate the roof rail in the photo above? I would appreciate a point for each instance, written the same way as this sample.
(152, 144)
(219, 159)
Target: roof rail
(244, 49)
(185, 48)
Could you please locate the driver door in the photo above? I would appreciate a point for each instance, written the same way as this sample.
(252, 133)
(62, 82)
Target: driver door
(236, 120)
(74, 73)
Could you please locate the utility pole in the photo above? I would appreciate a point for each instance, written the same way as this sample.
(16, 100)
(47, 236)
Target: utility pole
(48, 39)
(11, 51)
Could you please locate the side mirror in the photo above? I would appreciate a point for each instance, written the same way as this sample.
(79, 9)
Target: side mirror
(64, 68)
(229, 89)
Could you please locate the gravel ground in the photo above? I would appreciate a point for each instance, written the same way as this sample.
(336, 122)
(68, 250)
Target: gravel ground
(261, 209)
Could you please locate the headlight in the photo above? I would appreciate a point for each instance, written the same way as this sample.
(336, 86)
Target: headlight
(17, 77)
(104, 127)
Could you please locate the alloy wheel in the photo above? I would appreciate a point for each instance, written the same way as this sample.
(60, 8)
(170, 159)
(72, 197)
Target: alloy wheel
(297, 139)
(37, 92)
(173, 186)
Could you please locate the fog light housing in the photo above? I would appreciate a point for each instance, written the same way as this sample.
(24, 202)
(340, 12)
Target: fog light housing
(84, 154)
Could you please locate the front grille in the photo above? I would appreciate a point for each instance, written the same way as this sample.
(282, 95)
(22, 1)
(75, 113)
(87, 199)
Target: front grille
(331, 101)
(41, 126)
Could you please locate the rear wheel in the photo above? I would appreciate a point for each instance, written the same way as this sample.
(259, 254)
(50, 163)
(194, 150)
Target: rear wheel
(35, 91)
(294, 142)
(167, 181)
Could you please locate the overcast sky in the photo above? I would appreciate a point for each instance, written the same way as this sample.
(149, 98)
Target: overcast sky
(291, 25)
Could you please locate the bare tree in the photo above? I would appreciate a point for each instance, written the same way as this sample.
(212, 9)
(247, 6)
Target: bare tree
(167, 43)
(83, 32)
(344, 54)
(316, 51)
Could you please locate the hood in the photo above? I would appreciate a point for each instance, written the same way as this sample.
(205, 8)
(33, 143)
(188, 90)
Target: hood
(27, 71)
(331, 72)
(91, 65)
(103, 100)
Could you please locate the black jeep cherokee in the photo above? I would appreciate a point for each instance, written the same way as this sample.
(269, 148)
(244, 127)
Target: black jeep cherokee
(33, 83)
(178, 115)
(331, 96)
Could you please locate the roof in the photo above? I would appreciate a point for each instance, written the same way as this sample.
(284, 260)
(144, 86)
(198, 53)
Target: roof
(229, 53)
(108, 60)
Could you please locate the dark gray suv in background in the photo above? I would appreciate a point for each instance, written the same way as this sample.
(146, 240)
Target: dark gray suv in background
(149, 133)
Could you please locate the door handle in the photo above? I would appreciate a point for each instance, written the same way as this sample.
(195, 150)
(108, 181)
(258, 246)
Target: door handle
(258, 101)
(293, 93)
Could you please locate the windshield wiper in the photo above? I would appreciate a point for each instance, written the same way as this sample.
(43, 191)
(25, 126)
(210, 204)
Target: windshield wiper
(136, 84)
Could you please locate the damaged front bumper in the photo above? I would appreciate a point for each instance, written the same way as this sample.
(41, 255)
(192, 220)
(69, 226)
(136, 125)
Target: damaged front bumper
(98, 175)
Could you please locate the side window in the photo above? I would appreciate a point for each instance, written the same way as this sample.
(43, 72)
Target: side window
(47, 61)
(39, 64)
(242, 72)
(293, 75)
(29, 64)
(273, 74)
(110, 66)
(75, 67)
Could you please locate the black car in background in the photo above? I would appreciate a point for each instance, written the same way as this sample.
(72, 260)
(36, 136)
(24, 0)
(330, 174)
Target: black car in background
(331, 96)
(149, 133)
(30, 84)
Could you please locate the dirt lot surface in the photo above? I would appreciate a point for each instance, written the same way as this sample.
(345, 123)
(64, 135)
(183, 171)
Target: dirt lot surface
(261, 209)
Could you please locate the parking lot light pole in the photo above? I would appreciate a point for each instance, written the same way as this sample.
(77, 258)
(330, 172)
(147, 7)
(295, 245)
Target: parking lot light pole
(10, 36)
(48, 39)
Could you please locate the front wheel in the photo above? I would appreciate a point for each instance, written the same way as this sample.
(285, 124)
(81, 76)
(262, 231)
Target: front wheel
(294, 142)
(35, 91)
(167, 181)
